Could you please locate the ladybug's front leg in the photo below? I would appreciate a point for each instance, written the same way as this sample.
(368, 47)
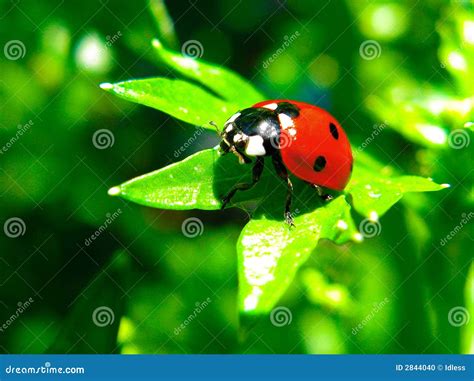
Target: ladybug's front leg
(283, 173)
(321, 193)
(256, 173)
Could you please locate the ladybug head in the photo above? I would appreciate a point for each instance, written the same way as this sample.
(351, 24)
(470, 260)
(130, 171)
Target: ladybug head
(235, 141)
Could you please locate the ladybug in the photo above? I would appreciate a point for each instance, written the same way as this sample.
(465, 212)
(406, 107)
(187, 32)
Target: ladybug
(300, 138)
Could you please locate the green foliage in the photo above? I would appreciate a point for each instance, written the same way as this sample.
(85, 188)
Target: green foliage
(226, 83)
(397, 292)
(427, 112)
(180, 99)
(270, 252)
(375, 192)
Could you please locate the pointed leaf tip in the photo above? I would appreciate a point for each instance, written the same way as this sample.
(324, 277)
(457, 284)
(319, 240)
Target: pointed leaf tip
(156, 43)
(114, 191)
(106, 86)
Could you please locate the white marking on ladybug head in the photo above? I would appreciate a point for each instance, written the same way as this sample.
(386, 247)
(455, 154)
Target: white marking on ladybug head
(271, 106)
(240, 138)
(229, 128)
(233, 118)
(255, 146)
(285, 121)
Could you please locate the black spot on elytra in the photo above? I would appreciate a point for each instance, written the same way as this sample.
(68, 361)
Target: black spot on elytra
(288, 108)
(319, 163)
(334, 131)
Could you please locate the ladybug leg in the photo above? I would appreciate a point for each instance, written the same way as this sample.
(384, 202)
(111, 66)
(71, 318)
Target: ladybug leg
(242, 158)
(320, 191)
(256, 173)
(283, 173)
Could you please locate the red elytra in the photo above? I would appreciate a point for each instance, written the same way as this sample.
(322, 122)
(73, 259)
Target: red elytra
(316, 148)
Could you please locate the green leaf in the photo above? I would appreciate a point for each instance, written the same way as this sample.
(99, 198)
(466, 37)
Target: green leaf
(222, 81)
(180, 99)
(163, 22)
(270, 252)
(374, 194)
(184, 185)
(197, 182)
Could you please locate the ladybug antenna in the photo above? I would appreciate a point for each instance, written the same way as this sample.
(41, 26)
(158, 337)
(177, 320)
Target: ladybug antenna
(212, 123)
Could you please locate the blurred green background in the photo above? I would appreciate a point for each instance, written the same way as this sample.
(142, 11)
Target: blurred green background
(403, 68)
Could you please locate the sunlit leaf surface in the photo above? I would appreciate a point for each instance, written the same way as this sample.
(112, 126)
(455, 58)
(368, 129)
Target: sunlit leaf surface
(270, 252)
(221, 80)
(180, 99)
